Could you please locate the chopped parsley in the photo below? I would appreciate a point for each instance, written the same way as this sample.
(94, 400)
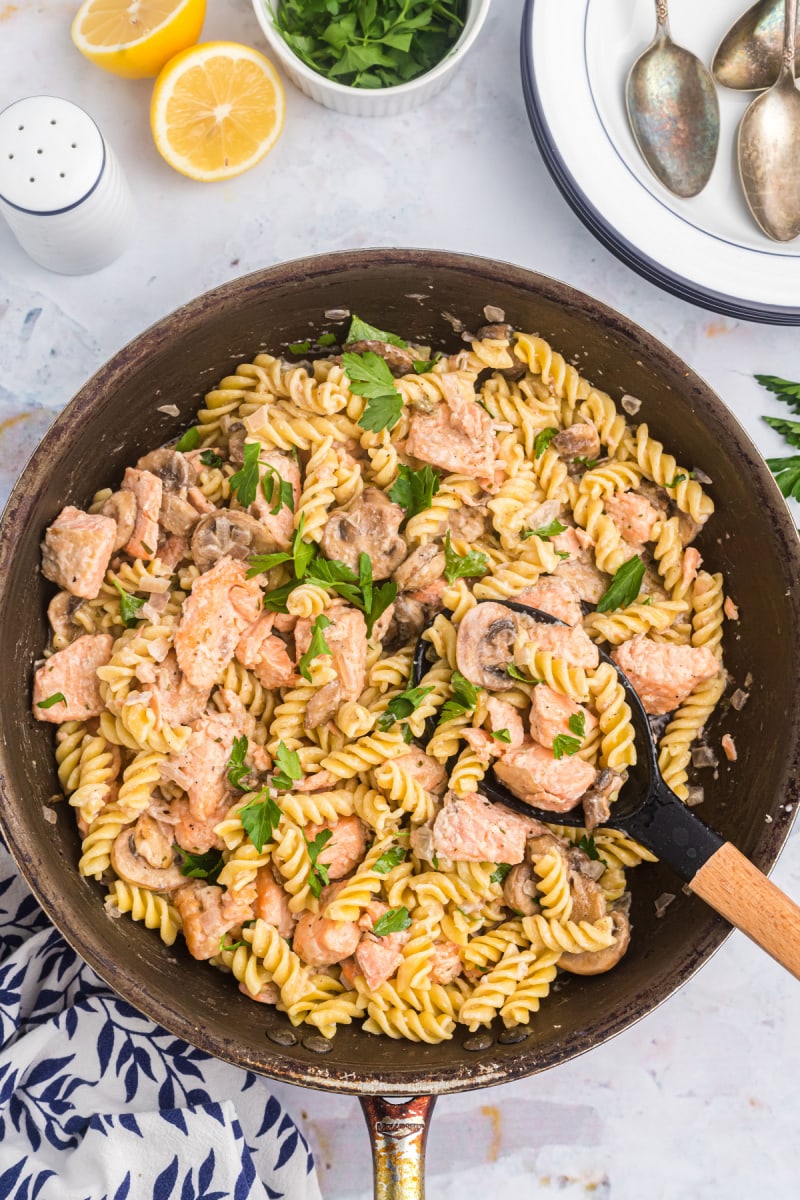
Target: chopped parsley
(583, 461)
(223, 945)
(587, 845)
(259, 563)
(458, 566)
(273, 485)
(245, 482)
(563, 745)
(56, 698)
(545, 532)
(318, 875)
(209, 459)
(681, 477)
(260, 818)
(463, 700)
(236, 765)
(543, 439)
(362, 331)
(202, 866)
(501, 735)
(389, 860)
(577, 724)
(423, 365)
(359, 589)
(189, 440)
(317, 646)
(624, 587)
(393, 921)
(402, 706)
(414, 490)
(300, 347)
(326, 339)
(499, 873)
(370, 377)
(129, 605)
(289, 769)
(513, 670)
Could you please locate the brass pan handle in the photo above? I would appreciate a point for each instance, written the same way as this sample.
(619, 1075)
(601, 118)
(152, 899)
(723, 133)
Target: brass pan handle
(398, 1130)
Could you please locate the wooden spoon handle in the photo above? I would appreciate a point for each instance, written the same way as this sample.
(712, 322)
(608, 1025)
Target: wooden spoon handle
(744, 896)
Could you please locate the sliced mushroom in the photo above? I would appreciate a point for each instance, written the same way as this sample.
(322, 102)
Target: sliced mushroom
(597, 801)
(408, 621)
(173, 468)
(143, 855)
(588, 900)
(59, 614)
(323, 704)
(579, 441)
(177, 515)
(543, 843)
(236, 439)
(369, 527)
(422, 567)
(519, 890)
(466, 523)
(595, 962)
(123, 508)
(398, 360)
(222, 533)
(500, 331)
(485, 645)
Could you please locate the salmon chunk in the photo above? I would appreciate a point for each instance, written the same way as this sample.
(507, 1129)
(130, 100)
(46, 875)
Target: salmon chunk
(379, 957)
(207, 914)
(221, 605)
(446, 962)
(663, 674)
(429, 773)
(72, 672)
(148, 490)
(321, 942)
(347, 638)
(572, 646)
(272, 903)
(550, 714)
(471, 829)
(458, 435)
(503, 715)
(535, 775)
(76, 551)
(554, 596)
(197, 834)
(265, 654)
(346, 847)
(173, 699)
(201, 769)
(633, 515)
(278, 525)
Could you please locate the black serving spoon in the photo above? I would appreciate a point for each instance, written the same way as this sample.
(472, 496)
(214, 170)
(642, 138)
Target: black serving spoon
(650, 812)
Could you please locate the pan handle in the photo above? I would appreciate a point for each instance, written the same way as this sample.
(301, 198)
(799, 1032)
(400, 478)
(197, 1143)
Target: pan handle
(398, 1130)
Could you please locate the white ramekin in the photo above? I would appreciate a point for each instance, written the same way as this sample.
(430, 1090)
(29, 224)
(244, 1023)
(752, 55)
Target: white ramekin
(370, 102)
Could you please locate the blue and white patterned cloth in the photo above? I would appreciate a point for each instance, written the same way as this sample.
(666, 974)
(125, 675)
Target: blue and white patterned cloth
(97, 1102)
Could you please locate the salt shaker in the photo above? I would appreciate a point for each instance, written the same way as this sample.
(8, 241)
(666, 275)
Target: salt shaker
(61, 188)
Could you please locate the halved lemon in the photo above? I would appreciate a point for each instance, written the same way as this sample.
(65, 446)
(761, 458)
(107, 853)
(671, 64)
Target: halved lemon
(134, 38)
(217, 109)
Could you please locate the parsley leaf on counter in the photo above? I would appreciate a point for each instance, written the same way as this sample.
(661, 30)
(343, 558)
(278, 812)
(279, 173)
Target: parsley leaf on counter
(245, 482)
(458, 566)
(624, 587)
(789, 430)
(370, 377)
(362, 331)
(787, 475)
(414, 490)
(784, 389)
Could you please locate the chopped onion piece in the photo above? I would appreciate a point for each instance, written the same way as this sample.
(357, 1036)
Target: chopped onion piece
(739, 699)
(703, 756)
(701, 476)
(696, 796)
(493, 314)
(663, 902)
(630, 405)
(169, 410)
(337, 314)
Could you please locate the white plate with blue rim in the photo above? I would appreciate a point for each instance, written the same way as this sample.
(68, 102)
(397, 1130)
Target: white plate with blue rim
(575, 60)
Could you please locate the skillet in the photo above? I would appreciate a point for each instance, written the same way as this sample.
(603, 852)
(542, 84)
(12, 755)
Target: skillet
(115, 418)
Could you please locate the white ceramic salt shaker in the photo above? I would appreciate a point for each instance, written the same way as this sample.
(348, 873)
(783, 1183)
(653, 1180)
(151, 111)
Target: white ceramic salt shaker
(61, 188)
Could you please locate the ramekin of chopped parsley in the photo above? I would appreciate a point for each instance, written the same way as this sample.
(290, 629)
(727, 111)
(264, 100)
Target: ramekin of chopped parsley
(371, 43)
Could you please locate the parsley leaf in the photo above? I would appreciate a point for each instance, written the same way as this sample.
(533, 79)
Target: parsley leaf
(501, 735)
(463, 700)
(389, 860)
(128, 605)
(392, 921)
(583, 461)
(370, 376)
(302, 552)
(326, 339)
(202, 866)
(245, 482)
(563, 744)
(513, 670)
(362, 331)
(260, 818)
(414, 490)
(402, 706)
(458, 566)
(209, 459)
(300, 347)
(624, 587)
(542, 440)
(784, 389)
(499, 873)
(318, 875)
(189, 440)
(275, 601)
(423, 365)
(787, 475)
(587, 845)
(236, 765)
(289, 769)
(577, 724)
(259, 563)
(679, 478)
(223, 945)
(56, 698)
(545, 532)
(317, 646)
(273, 484)
(789, 430)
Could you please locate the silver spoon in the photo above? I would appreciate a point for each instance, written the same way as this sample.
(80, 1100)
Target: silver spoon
(673, 112)
(749, 56)
(769, 147)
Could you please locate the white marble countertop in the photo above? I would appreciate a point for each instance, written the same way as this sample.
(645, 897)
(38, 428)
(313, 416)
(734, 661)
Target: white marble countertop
(699, 1100)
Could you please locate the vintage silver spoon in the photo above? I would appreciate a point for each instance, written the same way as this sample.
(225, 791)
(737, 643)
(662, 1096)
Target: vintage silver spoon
(673, 112)
(769, 147)
(749, 56)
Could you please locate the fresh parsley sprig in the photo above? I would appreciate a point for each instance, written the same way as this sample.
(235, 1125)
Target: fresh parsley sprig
(564, 744)
(318, 875)
(393, 921)
(237, 770)
(370, 377)
(785, 470)
(577, 724)
(588, 846)
(625, 586)
(359, 590)
(202, 866)
(545, 532)
(245, 482)
(129, 605)
(317, 646)
(463, 700)
(289, 769)
(390, 859)
(260, 818)
(402, 706)
(784, 389)
(274, 485)
(414, 490)
(463, 566)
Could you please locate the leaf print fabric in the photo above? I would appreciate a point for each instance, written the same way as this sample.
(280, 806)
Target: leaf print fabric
(98, 1103)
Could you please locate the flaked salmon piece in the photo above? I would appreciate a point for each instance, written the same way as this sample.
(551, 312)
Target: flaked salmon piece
(221, 605)
(572, 646)
(446, 962)
(196, 834)
(379, 957)
(173, 550)
(371, 913)
(633, 515)
(320, 782)
(172, 697)
(321, 942)
(348, 969)
(729, 748)
(72, 672)
(554, 596)
(265, 654)
(200, 502)
(269, 994)
(148, 490)
(201, 769)
(430, 596)
(535, 775)
(730, 609)
(272, 903)
(503, 715)
(280, 525)
(347, 638)
(207, 914)
(550, 716)
(692, 562)
(664, 674)
(248, 648)
(567, 543)
(346, 847)
(429, 773)
(471, 829)
(458, 435)
(485, 746)
(77, 549)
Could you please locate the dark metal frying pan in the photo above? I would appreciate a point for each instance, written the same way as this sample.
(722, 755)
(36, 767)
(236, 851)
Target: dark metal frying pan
(115, 418)
(650, 812)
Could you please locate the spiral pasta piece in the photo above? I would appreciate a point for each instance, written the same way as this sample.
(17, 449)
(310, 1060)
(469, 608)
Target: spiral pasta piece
(530, 991)
(617, 748)
(554, 892)
(663, 469)
(154, 910)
